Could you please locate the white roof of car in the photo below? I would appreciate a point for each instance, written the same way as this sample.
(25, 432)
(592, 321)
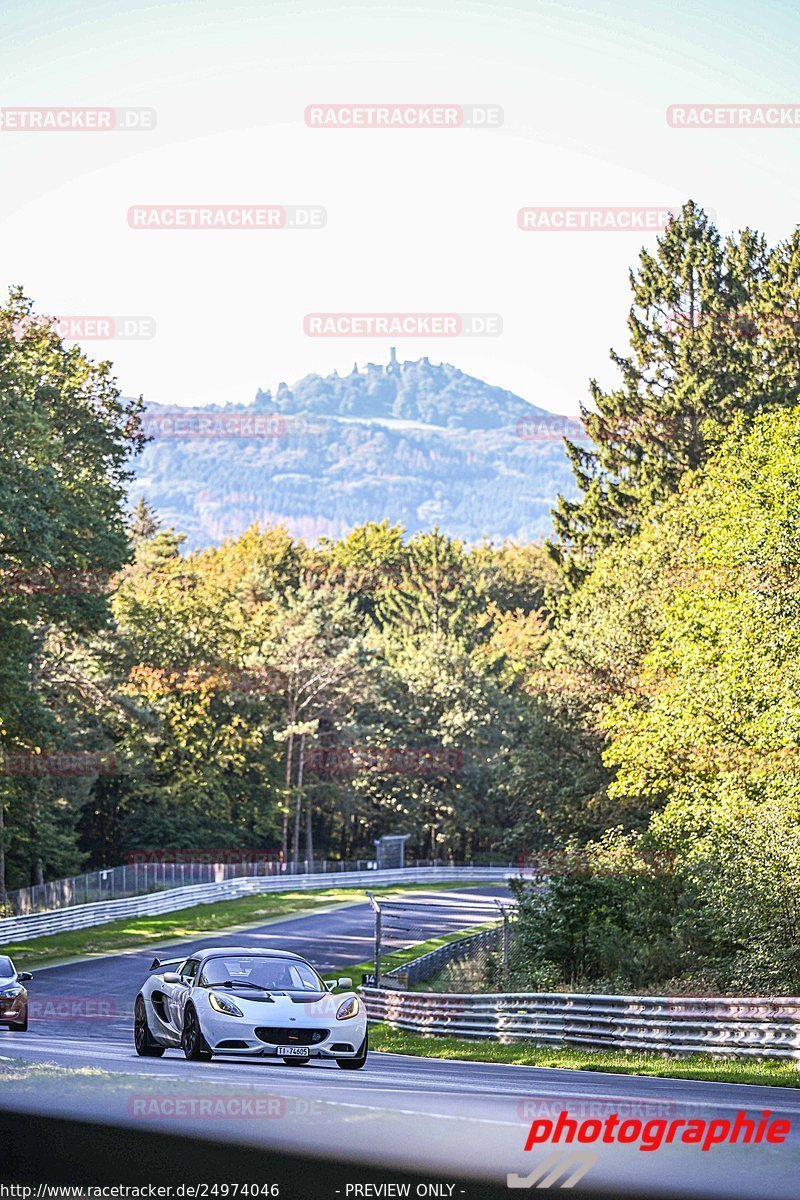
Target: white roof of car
(249, 950)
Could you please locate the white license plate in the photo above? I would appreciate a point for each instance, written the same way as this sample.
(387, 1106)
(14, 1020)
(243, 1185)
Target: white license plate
(293, 1051)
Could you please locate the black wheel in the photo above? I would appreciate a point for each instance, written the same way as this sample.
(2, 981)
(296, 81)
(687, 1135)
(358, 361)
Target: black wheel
(20, 1026)
(297, 1062)
(195, 1046)
(143, 1040)
(355, 1064)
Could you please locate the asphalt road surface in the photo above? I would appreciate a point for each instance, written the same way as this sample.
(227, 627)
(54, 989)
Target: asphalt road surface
(433, 1115)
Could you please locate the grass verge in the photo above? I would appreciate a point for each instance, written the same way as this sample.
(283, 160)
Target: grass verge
(769, 1072)
(132, 933)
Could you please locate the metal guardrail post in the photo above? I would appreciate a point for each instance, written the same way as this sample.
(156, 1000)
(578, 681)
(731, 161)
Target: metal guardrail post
(376, 908)
(505, 913)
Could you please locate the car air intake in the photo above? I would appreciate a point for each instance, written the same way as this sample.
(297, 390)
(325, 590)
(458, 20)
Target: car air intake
(291, 1037)
(231, 1044)
(343, 1048)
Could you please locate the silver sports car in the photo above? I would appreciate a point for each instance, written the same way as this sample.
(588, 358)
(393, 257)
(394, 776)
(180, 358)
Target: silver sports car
(249, 1001)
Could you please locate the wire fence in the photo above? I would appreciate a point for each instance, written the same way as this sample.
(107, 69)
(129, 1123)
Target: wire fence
(482, 958)
(84, 916)
(474, 951)
(477, 963)
(141, 878)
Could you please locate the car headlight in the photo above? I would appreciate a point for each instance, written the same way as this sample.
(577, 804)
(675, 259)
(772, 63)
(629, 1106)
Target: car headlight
(348, 1009)
(223, 1005)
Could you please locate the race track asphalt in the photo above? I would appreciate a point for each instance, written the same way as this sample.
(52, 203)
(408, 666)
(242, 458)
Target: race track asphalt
(433, 1115)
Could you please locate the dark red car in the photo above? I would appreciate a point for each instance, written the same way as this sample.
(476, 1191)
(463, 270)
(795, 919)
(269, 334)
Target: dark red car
(13, 996)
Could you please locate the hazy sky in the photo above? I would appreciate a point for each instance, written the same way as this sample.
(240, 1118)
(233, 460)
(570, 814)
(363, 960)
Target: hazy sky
(417, 220)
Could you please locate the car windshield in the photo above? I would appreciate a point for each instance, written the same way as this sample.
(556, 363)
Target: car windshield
(6, 967)
(273, 974)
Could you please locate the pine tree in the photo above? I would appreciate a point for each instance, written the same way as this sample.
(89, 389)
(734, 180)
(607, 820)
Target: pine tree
(701, 347)
(143, 522)
(433, 593)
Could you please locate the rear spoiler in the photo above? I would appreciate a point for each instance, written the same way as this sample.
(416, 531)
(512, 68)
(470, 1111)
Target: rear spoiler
(165, 962)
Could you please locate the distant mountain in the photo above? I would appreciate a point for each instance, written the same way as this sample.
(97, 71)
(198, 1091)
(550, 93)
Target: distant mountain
(419, 443)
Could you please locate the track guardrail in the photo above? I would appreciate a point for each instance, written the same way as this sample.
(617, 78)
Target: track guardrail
(746, 1027)
(84, 916)
(152, 871)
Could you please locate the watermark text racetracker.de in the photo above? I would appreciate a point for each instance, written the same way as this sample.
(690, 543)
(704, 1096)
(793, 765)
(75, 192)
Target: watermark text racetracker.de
(227, 216)
(55, 581)
(199, 423)
(71, 1008)
(734, 116)
(404, 116)
(221, 854)
(57, 764)
(87, 328)
(391, 760)
(257, 681)
(597, 219)
(569, 861)
(373, 578)
(259, 1106)
(53, 119)
(139, 1191)
(402, 324)
(552, 429)
(529, 1108)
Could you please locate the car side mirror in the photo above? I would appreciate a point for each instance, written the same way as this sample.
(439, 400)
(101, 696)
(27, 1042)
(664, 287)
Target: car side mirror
(171, 977)
(345, 981)
(24, 976)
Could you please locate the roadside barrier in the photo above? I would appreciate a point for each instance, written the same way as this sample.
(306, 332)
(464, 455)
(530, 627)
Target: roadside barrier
(85, 916)
(158, 870)
(736, 1027)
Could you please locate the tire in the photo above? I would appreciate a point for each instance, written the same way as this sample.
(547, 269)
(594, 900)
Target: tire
(355, 1064)
(195, 1046)
(146, 1046)
(19, 1026)
(297, 1062)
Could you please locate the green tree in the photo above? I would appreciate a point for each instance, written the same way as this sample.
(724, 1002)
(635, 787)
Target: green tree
(435, 592)
(711, 326)
(325, 674)
(693, 622)
(66, 436)
(143, 523)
